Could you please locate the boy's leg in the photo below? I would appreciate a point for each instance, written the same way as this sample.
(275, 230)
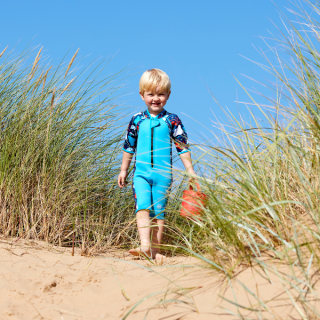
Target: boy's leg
(144, 226)
(143, 199)
(149, 229)
(157, 234)
(160, 199)
(146, 195)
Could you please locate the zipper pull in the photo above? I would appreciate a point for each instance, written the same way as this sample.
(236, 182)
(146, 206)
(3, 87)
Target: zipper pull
(154, 122)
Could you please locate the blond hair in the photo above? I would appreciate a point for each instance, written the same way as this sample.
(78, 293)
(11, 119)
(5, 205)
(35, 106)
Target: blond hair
(154, 79)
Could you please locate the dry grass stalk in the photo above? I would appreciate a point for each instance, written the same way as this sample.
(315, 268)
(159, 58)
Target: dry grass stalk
(44, 80)
(66, 87)
(38, 82)
(71, 62)
(2, 53)
(35, 64)
(52, 99)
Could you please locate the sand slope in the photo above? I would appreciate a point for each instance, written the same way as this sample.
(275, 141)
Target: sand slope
(42, 282)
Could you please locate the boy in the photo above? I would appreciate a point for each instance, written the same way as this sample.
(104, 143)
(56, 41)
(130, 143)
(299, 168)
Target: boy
(150, 135)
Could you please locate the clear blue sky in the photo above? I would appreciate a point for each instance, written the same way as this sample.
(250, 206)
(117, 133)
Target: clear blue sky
(197, 43)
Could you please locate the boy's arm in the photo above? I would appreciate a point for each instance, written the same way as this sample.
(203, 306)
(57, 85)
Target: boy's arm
(180, 138)
(187, 162)
(126, 160)
(129, 147)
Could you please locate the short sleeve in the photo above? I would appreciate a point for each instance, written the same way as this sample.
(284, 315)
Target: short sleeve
(130, 142)
(179, 134)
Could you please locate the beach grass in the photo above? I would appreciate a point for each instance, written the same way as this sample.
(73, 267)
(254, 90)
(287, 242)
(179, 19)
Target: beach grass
(59, 150)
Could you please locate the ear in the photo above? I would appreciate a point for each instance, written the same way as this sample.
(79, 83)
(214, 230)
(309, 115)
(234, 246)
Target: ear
(142, 96)
(169, 95)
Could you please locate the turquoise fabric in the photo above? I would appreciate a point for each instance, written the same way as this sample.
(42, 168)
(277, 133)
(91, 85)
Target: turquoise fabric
(150, 138)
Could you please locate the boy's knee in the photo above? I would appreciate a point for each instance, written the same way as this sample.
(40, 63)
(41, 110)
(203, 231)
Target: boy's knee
(143, 213)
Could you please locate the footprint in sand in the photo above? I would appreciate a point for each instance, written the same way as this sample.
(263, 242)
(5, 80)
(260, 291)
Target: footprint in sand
(48, 287)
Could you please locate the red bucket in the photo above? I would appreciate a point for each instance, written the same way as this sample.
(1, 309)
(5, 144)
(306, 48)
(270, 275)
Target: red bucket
(192, 202)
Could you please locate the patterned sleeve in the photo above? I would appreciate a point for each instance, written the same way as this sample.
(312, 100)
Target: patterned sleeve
(130, 142)
(179, 134)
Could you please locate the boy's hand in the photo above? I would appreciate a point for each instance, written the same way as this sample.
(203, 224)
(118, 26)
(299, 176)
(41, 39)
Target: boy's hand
(126, 160)
(122, 178)
(192, 180)
(194, 183)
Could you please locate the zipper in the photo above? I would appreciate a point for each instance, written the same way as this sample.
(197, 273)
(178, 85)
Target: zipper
(152, 129)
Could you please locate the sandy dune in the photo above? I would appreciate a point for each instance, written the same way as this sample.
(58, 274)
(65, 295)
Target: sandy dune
(42, 282)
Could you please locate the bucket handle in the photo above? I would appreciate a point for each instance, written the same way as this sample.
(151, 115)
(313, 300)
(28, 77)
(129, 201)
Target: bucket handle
(197, 187)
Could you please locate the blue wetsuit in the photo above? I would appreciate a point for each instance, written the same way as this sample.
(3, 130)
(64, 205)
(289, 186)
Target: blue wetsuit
(151, 139)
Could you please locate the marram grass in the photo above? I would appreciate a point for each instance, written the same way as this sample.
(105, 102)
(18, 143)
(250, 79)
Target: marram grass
(59, 151)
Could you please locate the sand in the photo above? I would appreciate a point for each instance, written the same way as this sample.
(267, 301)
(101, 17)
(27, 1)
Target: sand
(38, 281)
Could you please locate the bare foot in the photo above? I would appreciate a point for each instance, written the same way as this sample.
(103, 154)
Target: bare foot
(138, 252)
(158, 256)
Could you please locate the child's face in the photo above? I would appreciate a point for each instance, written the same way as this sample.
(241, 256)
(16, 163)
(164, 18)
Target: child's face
(156, 100)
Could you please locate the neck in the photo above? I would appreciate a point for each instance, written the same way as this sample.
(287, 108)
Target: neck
(154, 113)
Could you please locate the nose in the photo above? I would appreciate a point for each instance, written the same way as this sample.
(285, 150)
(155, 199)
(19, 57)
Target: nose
(156, 97)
